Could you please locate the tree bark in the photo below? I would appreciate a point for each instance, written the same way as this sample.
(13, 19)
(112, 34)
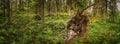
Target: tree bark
(69, 2)
(8, 10)
(49, 7)
(41, 11)
(113, 10)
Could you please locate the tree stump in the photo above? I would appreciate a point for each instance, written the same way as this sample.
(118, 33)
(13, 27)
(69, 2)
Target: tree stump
(77, 25)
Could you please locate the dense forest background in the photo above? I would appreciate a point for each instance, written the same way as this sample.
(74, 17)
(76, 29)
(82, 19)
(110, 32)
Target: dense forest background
(45, 21)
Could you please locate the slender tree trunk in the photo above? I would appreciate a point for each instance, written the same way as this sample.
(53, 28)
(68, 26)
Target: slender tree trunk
(69, 6)
(20, 5)
(42, 12)
(49, 7)
(100, 8)
(0, 2)
(57, 5)
(37, 7)
(113, 10)
(9, 12)
(4, 6)
(96, 7)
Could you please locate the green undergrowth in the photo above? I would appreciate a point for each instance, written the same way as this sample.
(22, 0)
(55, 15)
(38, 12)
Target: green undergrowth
(100, 32)
(27, 29)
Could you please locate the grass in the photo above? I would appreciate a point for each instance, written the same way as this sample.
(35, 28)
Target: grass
(26, 29)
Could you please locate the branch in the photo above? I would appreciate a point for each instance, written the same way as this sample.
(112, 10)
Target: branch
(85, 9)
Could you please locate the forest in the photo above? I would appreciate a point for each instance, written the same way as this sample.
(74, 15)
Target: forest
(59, 21)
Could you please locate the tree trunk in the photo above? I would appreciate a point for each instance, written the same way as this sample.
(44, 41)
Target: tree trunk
(49, 7)
(113, 10)
(21, 5)
(96, 8)
(57, 5)
(42, 12)
(69, 2)
(8, 13)
(100, 8)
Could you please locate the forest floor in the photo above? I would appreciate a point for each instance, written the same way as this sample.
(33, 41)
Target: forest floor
(27, 29)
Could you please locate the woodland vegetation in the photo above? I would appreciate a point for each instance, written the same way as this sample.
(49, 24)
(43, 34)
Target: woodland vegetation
(59, 22)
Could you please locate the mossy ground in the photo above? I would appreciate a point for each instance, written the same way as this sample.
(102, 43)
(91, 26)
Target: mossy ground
(27, 29)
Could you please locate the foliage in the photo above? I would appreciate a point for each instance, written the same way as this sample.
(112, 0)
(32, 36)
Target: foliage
(26, 29)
